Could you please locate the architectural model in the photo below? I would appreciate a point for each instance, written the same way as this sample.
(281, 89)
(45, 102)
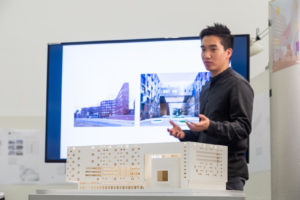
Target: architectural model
(179, 165)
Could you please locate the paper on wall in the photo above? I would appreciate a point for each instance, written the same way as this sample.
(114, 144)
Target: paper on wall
(22, 159)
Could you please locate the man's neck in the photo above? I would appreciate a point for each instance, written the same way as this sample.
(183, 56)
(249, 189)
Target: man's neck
(216, 73)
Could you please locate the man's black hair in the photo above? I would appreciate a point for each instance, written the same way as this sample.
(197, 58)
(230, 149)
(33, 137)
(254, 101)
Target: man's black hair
(220, 31)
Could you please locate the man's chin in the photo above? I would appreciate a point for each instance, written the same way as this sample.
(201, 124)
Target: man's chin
(209, 68)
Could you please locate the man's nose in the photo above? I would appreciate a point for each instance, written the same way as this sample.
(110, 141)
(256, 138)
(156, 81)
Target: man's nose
(206, 54)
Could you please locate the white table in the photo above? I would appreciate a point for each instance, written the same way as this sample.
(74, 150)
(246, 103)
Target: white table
(140, 195)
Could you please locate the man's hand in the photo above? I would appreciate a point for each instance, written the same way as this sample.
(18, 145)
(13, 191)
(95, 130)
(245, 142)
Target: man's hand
(176, 131)
(200, 126)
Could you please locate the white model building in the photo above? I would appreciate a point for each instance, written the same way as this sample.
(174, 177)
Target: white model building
(180, 165)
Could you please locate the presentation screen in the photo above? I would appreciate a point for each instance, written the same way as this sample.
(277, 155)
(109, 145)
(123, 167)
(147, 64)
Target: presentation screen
(125, 91)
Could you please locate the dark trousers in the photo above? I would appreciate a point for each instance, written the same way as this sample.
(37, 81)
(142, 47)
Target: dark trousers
(235, 183)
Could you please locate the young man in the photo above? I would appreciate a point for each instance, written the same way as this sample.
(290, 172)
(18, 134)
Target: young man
(225, 106)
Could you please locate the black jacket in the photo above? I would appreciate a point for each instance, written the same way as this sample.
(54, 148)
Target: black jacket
(227, 100)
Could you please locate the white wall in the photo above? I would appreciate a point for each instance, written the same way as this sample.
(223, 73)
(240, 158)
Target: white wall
(258, 186)
(26, 27)
(285, 133)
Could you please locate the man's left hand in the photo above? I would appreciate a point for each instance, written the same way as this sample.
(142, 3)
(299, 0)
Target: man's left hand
(202, 125)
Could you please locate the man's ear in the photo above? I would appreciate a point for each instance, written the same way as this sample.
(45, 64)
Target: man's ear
(229, 52)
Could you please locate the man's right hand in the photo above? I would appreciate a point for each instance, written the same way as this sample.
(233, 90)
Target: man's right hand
(176, 131)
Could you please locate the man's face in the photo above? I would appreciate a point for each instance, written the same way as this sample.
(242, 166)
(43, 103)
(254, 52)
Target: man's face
(214, 56)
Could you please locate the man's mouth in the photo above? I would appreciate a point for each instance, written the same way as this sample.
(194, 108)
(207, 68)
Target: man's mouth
(207, 62)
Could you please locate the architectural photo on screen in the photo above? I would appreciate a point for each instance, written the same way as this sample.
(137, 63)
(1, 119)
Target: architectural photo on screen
(166, 96)
(110, 112)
